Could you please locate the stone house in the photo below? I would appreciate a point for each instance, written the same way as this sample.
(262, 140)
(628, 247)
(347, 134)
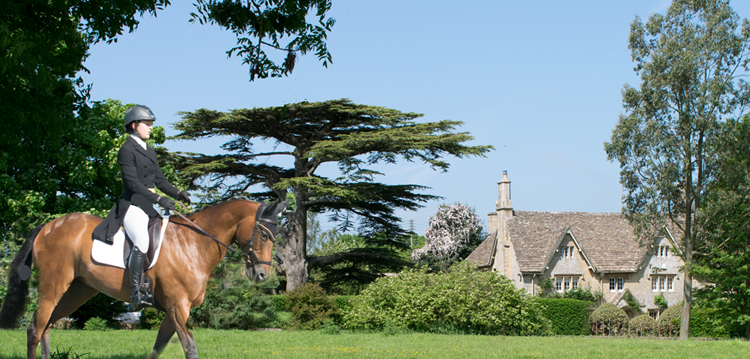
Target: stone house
(592, 251)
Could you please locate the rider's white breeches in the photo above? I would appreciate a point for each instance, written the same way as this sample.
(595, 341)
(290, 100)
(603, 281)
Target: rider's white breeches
(136, 226)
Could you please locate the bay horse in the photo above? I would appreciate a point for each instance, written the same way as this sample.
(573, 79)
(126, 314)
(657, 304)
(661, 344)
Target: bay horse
(61, 250)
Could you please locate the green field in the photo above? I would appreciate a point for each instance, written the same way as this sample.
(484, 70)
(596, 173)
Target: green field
(124, 344)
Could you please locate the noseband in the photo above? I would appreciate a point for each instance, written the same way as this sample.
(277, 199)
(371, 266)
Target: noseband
(247, 249)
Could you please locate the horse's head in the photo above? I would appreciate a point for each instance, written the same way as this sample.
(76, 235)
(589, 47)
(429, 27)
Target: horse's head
(258, 248)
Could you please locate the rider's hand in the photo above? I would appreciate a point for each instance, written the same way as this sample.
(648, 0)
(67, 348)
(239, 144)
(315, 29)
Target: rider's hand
(183, 196)
(166, 203)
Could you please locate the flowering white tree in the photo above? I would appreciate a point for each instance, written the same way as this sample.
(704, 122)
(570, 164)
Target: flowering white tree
(454, 229)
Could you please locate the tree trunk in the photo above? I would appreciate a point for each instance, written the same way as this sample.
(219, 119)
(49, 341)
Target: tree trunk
(293, 251)
(687, 297)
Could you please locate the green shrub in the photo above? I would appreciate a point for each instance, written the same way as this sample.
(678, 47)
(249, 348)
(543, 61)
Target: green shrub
(568, 316)
(608, 319)
(330, 327)
(633, 305)
(642, 325)
(661, 301)
(705, 322)
(702, 324)
(669, 321)
(95, 323)
(102, 306)
(460, 300)
(583, 294)
(310, 307)
(279, 302)
(344, 302)
(232, 301)
(150, 318)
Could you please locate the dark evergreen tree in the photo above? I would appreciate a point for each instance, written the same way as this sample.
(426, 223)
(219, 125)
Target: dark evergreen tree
(310, 135)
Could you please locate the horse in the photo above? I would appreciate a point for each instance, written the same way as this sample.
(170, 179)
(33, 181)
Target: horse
(61, 250)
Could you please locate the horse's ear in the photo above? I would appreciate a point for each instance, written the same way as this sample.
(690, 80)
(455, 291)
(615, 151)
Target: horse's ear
(271, 210)
(282, 206)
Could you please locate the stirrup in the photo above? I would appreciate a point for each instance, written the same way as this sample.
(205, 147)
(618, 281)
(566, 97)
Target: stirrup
(141, 302)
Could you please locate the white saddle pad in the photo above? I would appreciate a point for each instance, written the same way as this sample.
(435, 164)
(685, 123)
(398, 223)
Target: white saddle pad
(111, 255)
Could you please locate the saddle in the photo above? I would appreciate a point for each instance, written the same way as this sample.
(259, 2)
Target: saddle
(116, 254)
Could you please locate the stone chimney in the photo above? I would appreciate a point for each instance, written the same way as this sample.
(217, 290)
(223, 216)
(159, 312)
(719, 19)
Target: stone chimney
(498, 223)
(503, 203)
(503, 206)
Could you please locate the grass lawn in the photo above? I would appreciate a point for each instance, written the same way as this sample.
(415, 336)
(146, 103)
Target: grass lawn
(122, 344)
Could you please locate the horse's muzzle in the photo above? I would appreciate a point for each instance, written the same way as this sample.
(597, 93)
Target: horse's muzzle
(255, 274)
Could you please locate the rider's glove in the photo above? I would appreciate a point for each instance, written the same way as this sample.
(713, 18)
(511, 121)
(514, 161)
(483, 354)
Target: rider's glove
(183, 196)
(166, 203)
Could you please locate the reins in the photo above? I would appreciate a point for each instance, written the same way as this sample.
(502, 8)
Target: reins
(250, 255)
(203, 231)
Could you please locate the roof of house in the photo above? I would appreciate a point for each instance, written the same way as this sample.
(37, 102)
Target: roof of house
(482, 255)
(606, 238)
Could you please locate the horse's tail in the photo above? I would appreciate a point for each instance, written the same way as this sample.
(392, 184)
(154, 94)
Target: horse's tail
(14, 303)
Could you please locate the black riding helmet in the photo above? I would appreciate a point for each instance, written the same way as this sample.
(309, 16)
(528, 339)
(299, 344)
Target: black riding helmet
(138, 113)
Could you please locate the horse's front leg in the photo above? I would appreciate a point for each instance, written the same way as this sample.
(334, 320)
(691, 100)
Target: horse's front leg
(179, 316)
(166, 331)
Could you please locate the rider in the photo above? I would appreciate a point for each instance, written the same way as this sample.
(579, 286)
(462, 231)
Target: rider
(140, 174)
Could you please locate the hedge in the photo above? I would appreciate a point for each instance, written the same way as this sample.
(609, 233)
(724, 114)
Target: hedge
(568, 316)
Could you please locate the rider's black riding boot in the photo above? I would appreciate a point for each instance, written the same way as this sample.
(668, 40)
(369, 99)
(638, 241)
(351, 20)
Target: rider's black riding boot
(138, 298)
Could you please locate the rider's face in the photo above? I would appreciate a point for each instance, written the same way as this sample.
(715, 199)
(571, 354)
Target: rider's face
(143, 129)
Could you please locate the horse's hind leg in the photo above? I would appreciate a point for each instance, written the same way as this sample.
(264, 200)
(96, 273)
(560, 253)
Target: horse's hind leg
(56, 292)
(76, 295)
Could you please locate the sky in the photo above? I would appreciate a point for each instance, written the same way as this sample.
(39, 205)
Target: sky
(540, 81)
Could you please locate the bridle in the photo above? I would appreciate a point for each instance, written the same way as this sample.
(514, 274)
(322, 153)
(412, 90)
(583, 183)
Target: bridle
(247, 249)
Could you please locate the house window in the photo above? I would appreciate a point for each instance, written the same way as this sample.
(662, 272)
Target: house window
(567, 252)
(653, 314)
(616, 284)
(566, 283)
(662, 251)
(662, 283)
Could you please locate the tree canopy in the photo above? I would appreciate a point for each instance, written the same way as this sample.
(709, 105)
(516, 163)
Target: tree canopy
(305, 136)
(691, 62)
(44, 102)
(722, 259)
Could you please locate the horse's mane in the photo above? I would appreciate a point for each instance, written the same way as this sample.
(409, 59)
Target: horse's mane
(216, 204)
